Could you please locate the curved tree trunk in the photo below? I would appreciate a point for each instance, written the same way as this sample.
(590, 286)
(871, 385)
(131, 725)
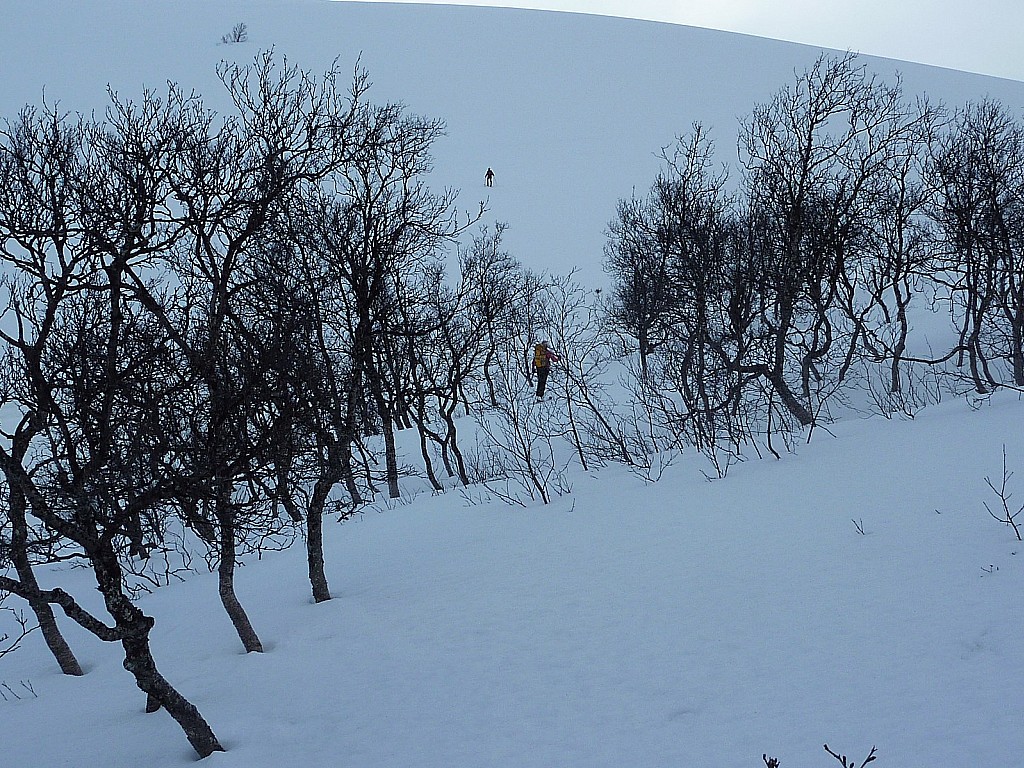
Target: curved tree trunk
(902, 302)
(348, 472)
(797, 409)
(44, 613)
(315, 537)
(226, 579)
(47, 621)
(17, 514)
(451, 440)
(134, 627)
(138, 659)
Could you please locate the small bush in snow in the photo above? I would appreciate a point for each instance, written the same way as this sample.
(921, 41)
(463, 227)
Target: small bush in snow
(23, 690)
(773, 762)
(11, 641)
(852, 764)
(1005, 513)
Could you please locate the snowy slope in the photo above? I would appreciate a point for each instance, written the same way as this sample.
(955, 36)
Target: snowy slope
(684, 623)
(569, 110)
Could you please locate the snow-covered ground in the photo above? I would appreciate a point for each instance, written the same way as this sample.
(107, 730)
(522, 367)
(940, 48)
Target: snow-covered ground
(682, 623)
(685, 623)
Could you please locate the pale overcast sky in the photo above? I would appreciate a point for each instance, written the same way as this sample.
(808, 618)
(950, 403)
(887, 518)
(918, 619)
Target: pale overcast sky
(973, 35)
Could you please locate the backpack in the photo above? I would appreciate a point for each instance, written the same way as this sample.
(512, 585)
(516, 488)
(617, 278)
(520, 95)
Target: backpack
(540, 356)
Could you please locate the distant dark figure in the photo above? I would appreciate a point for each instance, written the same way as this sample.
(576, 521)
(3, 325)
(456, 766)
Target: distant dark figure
(543, 357)
(489, 178)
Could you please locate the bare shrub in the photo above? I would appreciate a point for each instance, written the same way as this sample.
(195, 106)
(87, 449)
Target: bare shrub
(238, 34)
(773, 762)
(26, 689)
(846, 763)
(1004, 513)
(518, 441)
(11, 641)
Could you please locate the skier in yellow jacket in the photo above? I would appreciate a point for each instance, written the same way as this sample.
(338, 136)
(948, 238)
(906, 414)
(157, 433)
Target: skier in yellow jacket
(543, 357)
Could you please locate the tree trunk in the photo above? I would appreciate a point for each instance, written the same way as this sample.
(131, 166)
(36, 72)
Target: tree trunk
(797, 409)
(492, 394)
(349, 475)
(226, 579)
(48, 622)
(138, 659)
(1017, 343)
(428, 464)
(452, 440)
(896, 385)
(135, 627)
(390, 455)
(775, 373)
(643, 347)
(44, 613)
(315, 537)
(426, 435)
(386, 425)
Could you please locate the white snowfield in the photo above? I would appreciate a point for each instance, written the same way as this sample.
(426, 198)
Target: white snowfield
(855, 592)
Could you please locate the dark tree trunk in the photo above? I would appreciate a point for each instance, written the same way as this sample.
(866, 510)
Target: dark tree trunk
(775, 374)
(138, 659)
(226, 579)
(426, 435)
(797, 409)
(47, 621)
(902, 302)
(460, 462)
(315, 538)
(17, 512)
(44, 613)
(1016, 320)
(349, 475)
(134, 627)
(428, 464)
(492, 394)
(390, 452)
(644, 348)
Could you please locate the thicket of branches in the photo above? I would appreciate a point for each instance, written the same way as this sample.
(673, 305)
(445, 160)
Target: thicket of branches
(214, 327)
(756, 305)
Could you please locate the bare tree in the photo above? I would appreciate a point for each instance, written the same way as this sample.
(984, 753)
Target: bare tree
(38, 162)
(897, 252)
(90, 374)
(114, 358)
(643, 297)
(496, 288)
(707, 277)
(229, 179)
(976, 176)
(316, 424)
(238, 34)
(811, 157)
(662, 248)
(383, 229)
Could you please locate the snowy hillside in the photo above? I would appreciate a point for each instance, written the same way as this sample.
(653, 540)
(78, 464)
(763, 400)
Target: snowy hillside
(854, 592)
(684, 623)
(570, 111)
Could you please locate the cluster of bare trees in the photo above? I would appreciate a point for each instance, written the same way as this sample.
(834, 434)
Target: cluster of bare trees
(212, 329)
(753, 304)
